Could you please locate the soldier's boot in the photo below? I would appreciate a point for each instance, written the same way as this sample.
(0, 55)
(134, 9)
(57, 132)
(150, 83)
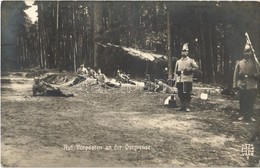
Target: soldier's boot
(187, 106)
(70, 95)
(182, 108)
(34, 91)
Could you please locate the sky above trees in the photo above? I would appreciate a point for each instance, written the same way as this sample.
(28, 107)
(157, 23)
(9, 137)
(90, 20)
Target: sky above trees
(32, 10)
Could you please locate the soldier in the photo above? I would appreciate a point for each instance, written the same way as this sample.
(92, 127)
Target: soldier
(124, 78)
(183, 76)
(82, 70)
(82, 74)
(163, 87)
(149, 85)
(165, 74)
(246, 76)
(91, 73)
(41, 88)
(104, 82)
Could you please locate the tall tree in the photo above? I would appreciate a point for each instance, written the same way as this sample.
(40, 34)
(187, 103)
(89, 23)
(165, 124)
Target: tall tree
(12, 28)
(97, 29)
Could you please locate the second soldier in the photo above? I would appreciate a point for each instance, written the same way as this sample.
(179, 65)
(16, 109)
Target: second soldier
(183, 76)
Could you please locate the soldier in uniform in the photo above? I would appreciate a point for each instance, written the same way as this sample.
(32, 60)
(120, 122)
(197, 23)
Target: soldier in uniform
(41, 88)
(245, 80)
(124, 78)
(82, 74)
(183, 76)
(163, 87)
(102, 80)
(149, 85)
(165, 74)
(91, 73)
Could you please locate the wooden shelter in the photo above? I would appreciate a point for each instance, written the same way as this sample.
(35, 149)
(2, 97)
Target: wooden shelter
(130, 60)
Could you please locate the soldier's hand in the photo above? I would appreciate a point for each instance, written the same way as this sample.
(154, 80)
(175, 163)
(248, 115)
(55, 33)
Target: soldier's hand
(235, 88)
(241, 76)
(178, 73)
(55, 88)
(187, 71)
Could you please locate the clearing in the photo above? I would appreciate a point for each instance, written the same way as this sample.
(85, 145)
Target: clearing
(88, 129)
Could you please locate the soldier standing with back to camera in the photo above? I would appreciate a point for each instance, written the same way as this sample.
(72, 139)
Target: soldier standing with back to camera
(183, 76)
(246, 77)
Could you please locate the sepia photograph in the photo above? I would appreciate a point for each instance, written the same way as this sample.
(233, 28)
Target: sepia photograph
(130, 83)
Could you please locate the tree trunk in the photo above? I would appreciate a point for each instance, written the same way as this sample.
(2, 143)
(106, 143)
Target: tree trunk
(91, 37)
(155, 13)
(74, 39)
(97, 29)
(170, 69)
(203, 50)
(211, 74)
(57, 40)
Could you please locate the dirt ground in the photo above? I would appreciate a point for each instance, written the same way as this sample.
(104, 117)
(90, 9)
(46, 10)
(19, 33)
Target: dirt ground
(120, 127)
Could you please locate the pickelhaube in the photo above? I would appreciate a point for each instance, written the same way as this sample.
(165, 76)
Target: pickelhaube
(247, 48)
(185, 47)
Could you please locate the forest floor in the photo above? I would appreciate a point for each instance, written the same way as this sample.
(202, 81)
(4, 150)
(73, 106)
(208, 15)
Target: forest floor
(97, 127)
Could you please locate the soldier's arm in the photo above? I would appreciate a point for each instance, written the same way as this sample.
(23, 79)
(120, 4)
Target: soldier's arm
(85, 71)
(82, 75)
(93, 73)
(257, 68)
(105, 78)
(235, 75)
(256, 76)
(175, 71)
(34, 90)
(194, 65)
(48, 85)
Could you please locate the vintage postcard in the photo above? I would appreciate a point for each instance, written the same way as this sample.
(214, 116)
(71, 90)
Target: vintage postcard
(130, 83)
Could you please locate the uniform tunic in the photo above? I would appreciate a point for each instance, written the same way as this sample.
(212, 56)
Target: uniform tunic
(184, 80)
(82, 71)
(246, 76)
(182, 64)
(40, 88)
